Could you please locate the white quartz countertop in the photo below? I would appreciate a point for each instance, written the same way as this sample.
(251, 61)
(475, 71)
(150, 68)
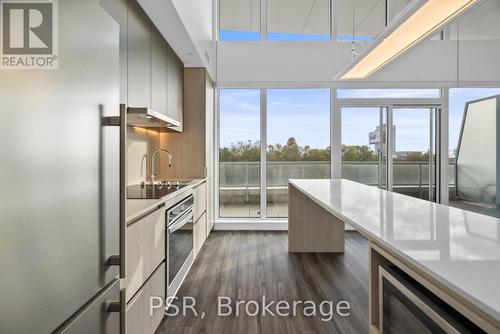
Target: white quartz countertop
(458, 248)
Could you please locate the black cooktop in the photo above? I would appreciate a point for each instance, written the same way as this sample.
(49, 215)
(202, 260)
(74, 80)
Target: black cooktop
(152, 192)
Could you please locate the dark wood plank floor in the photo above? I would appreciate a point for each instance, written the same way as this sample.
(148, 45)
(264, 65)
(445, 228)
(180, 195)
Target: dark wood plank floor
(248, 265)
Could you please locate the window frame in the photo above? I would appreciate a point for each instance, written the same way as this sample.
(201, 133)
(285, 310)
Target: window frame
(266, 223)
(263, 24)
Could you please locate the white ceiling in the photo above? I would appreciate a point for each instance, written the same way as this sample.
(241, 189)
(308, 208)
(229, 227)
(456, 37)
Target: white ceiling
(299, 16)
(482, 22)
(369, 17)
(295, 16)
(242, 15)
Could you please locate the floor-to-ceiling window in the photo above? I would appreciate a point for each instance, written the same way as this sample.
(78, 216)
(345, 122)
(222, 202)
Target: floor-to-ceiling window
(239, 153)
(294, 124)
(298, 142)
(297, 138)
(363, 138)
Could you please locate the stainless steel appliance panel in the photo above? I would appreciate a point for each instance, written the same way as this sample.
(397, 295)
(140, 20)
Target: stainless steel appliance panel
(408, 307)
(59, 193)
(98, 317)
(179, 236)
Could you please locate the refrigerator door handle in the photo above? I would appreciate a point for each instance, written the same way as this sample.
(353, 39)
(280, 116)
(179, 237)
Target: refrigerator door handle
(113, 260)
(111, 121)
(113, 306)
(119, 306)
(112, 256)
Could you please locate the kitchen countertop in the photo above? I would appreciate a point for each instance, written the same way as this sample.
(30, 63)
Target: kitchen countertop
(458, 248)
(137, 208)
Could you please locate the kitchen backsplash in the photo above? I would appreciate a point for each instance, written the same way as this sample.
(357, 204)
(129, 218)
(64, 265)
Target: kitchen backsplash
(140, 147)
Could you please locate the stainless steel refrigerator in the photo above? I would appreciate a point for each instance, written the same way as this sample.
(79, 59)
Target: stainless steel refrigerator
(59, 183)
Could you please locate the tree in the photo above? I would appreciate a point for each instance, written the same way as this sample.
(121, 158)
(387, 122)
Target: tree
(241, 151)
(413, 156)
(291, 151)
(358, 153)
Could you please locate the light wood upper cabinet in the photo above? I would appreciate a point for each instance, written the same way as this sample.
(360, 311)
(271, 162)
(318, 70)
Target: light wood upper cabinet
(139, 57)
(158, 72)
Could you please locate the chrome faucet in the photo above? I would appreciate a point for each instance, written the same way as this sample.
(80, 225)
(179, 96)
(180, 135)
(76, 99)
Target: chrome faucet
(153, 167)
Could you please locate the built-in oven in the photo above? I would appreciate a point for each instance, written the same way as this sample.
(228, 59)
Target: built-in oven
(407, 307)
(179, 243)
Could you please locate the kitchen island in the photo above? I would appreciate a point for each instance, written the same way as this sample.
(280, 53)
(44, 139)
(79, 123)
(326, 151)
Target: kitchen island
(453, 253)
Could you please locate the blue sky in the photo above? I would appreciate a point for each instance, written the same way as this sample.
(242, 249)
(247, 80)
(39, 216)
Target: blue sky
(234, 35)
(305, 114)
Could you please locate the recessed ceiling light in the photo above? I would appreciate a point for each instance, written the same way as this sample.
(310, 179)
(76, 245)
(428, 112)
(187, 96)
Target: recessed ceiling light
(419, 21)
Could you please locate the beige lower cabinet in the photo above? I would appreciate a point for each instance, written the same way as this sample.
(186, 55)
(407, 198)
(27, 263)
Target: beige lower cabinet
(145, 249)
(200, 200)
(138, 319)
(199, 233)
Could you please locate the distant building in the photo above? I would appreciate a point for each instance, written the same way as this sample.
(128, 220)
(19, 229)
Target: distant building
(376, 138)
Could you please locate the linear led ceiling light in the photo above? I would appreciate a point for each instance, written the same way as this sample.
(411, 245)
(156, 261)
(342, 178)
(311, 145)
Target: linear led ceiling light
(420, 20)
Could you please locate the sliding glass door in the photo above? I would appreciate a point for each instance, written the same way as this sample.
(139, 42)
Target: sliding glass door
(363, 148)
(414, 151)
(391, 147)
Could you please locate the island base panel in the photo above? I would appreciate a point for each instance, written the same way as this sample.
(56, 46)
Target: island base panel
(311, 228)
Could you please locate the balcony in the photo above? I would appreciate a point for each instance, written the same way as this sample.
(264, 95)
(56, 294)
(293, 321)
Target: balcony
(240, 182)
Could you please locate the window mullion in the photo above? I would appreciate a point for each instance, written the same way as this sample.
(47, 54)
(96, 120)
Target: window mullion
(333, 19)
(263, 20)
(263, 153)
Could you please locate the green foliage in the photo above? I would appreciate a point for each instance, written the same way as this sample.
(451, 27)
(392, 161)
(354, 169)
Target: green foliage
(250, 152)
(241, 151)
(291, 151)
(413, 156)
(358, 153)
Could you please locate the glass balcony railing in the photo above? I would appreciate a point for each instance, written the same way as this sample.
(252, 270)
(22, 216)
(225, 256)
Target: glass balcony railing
(239, 182)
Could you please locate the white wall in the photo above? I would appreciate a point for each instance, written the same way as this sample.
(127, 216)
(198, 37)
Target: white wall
(197, 16)
(432, 63)
(187, 25)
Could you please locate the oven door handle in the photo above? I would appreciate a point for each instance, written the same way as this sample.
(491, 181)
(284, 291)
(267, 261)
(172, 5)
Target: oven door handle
(186, 217)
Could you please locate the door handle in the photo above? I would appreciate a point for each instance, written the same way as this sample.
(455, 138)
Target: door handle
(181, 222)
